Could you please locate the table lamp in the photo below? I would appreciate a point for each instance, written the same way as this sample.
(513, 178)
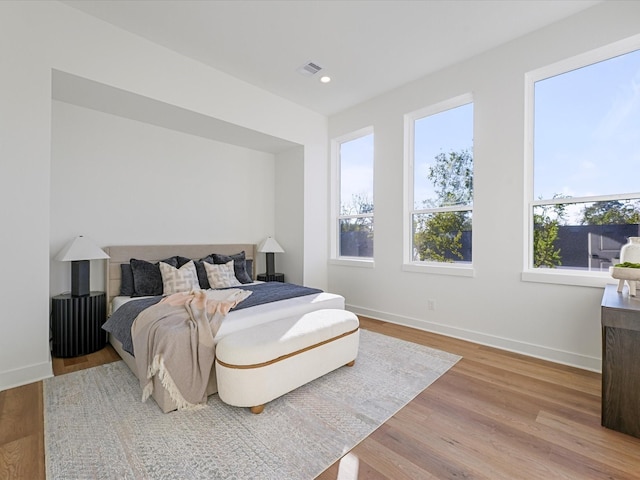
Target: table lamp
(269, 246)
(79, 251)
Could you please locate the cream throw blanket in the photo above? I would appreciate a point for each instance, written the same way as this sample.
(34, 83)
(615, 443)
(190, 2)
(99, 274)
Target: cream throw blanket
(174, 340)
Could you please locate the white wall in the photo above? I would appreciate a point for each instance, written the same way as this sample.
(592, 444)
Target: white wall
(290, 214)
(561, 323)
(36, 37)
(119, 181)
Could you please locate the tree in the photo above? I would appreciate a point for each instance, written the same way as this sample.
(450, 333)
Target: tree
(452, 179)
(546, 222)
(610, 212)
(356, 233)
(438, 236)
(360, 204)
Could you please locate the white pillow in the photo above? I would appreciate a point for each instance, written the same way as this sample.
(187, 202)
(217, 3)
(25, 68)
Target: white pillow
(221, 275)
(176, 280)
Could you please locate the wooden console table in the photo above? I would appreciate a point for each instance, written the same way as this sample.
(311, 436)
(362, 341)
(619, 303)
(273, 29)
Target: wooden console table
(620, 316)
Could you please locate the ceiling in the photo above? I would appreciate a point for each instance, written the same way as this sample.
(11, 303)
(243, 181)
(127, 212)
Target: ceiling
(107, 99)
(366, 47)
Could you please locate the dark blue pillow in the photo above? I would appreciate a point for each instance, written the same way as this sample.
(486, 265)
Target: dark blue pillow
(239, 265)
(182, 261)
(249, 267)
(126, 280)
(147, 279)
(203, 280)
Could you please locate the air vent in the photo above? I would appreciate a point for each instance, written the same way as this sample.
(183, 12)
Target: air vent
(309, 69)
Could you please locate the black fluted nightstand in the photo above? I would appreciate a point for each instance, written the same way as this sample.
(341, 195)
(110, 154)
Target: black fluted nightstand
(276, 277)
(76, 324)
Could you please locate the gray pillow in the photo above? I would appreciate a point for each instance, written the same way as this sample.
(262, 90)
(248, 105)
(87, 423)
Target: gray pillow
(147, 279)
(239, 265)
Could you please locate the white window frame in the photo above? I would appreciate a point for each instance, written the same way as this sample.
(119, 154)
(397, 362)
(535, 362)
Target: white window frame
(336, 216)
(548, 275)
(409, 265)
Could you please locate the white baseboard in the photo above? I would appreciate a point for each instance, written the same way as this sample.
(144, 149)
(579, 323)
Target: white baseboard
(25, 375)
(572, 359)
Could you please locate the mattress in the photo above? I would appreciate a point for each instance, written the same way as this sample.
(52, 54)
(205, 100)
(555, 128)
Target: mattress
(249, 317)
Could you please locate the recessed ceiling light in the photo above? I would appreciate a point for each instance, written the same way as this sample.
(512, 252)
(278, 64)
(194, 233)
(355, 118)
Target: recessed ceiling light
(325, 79)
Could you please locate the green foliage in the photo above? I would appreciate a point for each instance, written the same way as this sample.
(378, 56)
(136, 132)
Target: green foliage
(627, 265)
(546, 223)
(611, 212)
(437, 236)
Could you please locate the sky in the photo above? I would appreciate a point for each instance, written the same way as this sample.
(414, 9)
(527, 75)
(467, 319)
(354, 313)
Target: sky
(356, 169)
(586, 136)
(587, 130)
(444, 132)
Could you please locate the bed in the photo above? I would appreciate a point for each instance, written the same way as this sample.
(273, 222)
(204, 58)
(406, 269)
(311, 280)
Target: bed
(236, 320)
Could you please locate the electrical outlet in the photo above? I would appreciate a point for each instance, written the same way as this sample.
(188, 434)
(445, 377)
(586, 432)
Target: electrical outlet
(431, 304)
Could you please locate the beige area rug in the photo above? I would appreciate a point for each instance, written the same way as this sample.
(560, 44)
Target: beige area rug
(97, 428)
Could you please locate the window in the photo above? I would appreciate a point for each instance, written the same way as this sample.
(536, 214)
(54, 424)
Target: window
(353, 161)
(440, 183)
(585, 193)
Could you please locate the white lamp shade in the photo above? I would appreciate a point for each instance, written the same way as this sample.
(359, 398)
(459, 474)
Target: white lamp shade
(80, 248)
(269, 245)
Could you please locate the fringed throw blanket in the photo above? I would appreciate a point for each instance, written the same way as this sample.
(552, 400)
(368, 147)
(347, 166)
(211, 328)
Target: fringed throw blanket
(174, 340)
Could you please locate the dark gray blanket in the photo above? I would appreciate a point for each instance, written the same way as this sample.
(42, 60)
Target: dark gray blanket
(119, 323)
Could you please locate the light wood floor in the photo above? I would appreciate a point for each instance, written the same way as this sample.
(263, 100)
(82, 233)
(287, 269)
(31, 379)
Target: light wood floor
(494, 415)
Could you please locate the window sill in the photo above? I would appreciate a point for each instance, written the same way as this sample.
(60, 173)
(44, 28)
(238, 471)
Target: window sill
(566, 277)
(465, 270)
(353, 262)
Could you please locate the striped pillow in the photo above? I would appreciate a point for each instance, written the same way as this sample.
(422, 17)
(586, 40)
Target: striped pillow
(221, 275)
(175, 280)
